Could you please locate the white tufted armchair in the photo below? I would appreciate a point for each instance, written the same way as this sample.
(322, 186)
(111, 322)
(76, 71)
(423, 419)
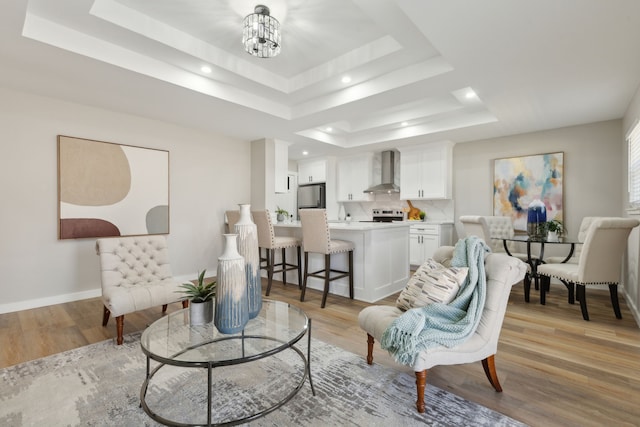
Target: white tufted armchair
(502, 273)
(136, 275)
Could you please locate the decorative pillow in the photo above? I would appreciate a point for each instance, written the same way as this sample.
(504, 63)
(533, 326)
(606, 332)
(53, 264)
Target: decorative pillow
(432, 282)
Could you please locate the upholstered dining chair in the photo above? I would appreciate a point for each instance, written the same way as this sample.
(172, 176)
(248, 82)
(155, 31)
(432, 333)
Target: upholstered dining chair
(271, 243)
(582, 235)
(502, 272)
(600, 262)
(492, 229)
(316, 238)
(135, 275)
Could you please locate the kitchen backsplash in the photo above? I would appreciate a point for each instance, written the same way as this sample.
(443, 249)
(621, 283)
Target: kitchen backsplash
(436, 210)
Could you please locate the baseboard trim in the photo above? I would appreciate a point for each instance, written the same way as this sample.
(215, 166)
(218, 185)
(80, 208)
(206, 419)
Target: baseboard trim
(43, 302)
(633, 308)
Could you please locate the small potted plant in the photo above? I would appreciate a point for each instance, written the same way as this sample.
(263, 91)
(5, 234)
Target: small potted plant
(554, 229)
(282, 214)
(200, 297)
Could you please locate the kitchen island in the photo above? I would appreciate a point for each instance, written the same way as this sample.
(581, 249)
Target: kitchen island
(380, 258)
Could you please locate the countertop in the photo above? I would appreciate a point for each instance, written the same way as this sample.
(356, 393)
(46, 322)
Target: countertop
(353, 225)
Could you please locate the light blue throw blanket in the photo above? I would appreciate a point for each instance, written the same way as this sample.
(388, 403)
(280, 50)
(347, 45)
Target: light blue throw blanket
(443, 324)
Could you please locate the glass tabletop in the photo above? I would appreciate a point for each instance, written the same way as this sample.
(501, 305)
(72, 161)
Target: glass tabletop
(173, 340)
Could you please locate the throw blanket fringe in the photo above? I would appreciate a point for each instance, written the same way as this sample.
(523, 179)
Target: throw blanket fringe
(443, 324)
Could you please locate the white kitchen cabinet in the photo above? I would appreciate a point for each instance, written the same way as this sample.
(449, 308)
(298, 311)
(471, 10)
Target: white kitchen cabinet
(425, 171)
(354, 176)
(425, 238)
(312, 171)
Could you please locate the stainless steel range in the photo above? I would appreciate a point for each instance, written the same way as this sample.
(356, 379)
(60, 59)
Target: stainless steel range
(386, 215)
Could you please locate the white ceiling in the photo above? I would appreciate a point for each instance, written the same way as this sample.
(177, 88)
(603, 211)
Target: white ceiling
(533, 65)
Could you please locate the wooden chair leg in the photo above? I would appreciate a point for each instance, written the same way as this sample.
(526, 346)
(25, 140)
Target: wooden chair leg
(270, 261)
(571, 298)
(120, 328)
(613, 291)
(105, 316)
(581, 295)
(545, 283)
(284, 266)
(164, 308)
(185, 303)
(421, 383)
(527, 286)
(299, 250)
(370, 342)
(351, 274)
(327, 273)
(489, 366)
(306, 273)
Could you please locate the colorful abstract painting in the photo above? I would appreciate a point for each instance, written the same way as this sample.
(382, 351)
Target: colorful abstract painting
(107, 189)
(517, 181)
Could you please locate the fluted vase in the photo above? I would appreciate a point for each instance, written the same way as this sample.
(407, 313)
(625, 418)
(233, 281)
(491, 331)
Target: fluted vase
(248, 247)
(232, 304)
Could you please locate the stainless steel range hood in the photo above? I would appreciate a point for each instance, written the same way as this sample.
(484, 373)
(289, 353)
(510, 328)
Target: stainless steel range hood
(388, 167)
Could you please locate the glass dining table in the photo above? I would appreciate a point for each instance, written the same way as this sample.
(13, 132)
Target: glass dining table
(535, 260)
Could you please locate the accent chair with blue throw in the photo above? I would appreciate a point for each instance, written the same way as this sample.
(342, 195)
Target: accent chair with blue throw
(497, 273)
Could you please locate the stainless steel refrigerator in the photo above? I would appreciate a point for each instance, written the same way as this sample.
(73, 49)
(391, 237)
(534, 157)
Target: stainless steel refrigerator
(312, 196)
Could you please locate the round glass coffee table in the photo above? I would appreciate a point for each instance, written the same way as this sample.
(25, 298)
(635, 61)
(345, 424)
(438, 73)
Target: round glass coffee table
(172, 341)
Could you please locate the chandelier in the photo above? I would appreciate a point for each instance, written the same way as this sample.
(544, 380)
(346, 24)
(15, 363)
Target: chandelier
(261, 33)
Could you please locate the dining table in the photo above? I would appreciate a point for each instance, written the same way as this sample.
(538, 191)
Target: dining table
(535, 260)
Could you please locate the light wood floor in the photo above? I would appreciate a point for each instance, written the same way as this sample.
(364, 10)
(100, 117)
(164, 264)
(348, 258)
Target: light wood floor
(555, 368)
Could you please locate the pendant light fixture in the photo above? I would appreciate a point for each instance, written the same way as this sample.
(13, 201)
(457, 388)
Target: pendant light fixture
(261, 33)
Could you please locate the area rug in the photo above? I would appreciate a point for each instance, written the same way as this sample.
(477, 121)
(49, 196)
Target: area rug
(99, 385)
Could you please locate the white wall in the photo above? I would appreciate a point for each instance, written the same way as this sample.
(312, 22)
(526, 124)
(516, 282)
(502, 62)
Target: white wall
(593, 159)
(37, 268)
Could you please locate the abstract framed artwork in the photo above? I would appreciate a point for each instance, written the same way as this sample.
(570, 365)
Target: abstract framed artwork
(107, 189)
(517, 181)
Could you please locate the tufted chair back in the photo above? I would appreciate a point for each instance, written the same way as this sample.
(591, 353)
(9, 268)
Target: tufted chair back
(500, 227)
(135, 275)
(489, 229)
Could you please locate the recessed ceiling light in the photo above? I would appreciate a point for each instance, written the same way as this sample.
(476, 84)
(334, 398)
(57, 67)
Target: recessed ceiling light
(305, 153)
(470, 94)
(205, 69)
(346, 79)
(329, 129)
(404, 123)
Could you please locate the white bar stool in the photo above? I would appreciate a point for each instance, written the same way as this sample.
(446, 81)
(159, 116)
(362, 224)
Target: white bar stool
(271, 243)
(317, 239)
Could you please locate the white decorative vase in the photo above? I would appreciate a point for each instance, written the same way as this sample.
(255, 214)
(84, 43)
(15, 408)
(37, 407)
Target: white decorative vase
(248, 247)
(552, 236)
(232, 304)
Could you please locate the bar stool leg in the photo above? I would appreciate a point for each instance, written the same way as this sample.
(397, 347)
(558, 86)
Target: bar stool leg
(270, 259)
(306, 273)
(327, 272)
(351, 274)
(299, 268)
(284, 267)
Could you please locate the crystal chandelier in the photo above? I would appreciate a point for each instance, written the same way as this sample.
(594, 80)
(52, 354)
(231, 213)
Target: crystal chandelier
(261, 33)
